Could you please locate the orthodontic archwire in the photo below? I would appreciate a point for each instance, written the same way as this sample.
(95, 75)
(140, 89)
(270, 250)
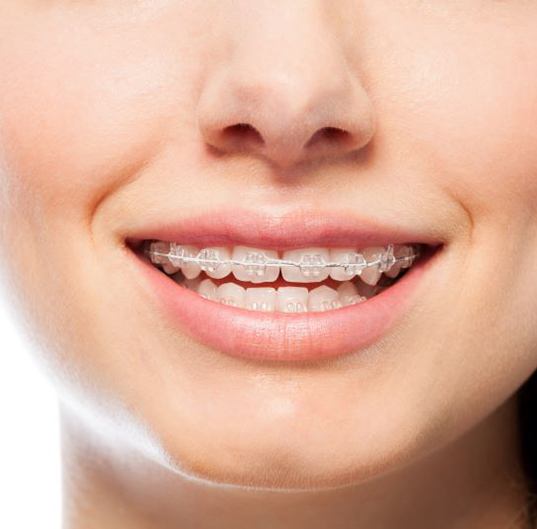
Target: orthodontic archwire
(208, 258)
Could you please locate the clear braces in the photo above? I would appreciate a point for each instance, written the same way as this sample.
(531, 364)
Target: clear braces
(256, 263)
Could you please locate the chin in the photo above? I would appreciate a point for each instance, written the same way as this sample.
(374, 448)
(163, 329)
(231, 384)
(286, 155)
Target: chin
(308, 458)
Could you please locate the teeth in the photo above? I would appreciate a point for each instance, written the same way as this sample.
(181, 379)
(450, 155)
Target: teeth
(217, 270)
(169, 268)
(255, 271)
(285, 299)
(405, 251)
(394, 270)
(368, 291)
(231, 294)
(358, 270)
(323, 298)
(207, 289)
(191, 284)
(311, 260)
(387, 258)
(354, 263)
(292, 299)
(371, 274)
(263, 299)
(158, 251)
(190, 270)
(398, 252)
(252, 265)
(348, 294)
(309, 265)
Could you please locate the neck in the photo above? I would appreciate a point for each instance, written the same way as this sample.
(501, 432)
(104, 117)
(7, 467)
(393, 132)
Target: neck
(474, 482)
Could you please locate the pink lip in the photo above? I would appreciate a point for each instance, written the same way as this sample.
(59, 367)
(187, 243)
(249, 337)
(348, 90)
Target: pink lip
(279, 336)
(298, 229)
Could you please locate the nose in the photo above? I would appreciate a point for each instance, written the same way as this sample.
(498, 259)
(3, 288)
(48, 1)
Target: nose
(294, 101)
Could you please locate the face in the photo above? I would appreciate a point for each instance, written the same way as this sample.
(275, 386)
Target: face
(281, 127)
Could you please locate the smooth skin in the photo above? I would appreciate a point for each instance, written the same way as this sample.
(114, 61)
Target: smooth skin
(113, 113)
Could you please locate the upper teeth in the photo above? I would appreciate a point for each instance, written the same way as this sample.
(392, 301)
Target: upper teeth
(305, 265)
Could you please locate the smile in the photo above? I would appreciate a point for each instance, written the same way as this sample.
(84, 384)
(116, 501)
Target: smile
(301, 287)
(338, 277)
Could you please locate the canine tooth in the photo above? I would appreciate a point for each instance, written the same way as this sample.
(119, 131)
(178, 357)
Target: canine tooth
(371, 274)
(348, 294)
(177, 252)
(231, 294)
(354, 263)
(207, 289)
(255, 271)
(263, 299)
(292, 299)
(308, 272)
(323, 298)
(216, 270)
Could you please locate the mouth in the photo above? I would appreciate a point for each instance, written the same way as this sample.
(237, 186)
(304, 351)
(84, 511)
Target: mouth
(291, 281)
(281, 298)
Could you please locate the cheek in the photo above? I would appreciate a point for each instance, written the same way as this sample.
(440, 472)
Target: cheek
(485, 128)
(466, 105)
(78, 118)
(81, 113)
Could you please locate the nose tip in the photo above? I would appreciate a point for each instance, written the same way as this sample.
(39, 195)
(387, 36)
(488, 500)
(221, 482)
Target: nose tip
(286, 119)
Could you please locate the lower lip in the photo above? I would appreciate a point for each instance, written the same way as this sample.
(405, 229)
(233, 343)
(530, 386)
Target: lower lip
(278, 336)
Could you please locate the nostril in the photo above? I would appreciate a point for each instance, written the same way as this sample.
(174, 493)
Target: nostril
(331, 136)
(243, 133)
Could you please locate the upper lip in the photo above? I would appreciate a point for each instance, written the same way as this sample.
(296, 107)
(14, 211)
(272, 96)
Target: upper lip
(295, 229)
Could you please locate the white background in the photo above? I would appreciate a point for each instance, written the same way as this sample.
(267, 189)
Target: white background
(30, 486)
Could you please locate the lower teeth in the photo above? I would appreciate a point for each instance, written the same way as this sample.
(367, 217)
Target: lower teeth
(288, 299)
